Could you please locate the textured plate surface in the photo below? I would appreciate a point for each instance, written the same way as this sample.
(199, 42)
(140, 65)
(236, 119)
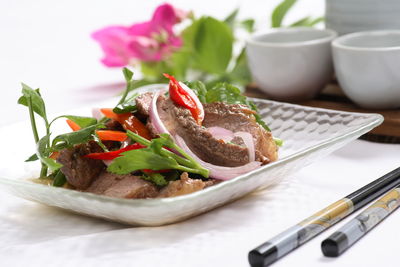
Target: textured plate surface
(308, 133)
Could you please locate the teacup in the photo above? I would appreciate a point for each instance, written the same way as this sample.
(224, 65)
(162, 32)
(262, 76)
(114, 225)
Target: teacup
(367, 66)
(291, 63)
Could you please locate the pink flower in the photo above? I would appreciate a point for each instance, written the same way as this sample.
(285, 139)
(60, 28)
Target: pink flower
(152, 40)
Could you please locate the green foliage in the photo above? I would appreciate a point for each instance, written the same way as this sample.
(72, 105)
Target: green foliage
(59, 179)
(140, 159)
(83, 122)
(43, 152)
(74, 138)
(206, 54)
(199, 88)
(37, 100)
(33, 157)
(307, 22)
(213, 44)
(155, 157)
(281, 11)
(156, 178)
(230, 20)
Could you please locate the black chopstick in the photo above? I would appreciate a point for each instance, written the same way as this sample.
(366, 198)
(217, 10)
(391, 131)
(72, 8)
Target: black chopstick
(287, 241)
(352, 231)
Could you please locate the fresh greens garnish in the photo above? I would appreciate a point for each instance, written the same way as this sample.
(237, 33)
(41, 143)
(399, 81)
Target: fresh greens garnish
(278, 141)
(281, 10)
(43, 153)
(74, 138)
(83, 122)
(59, 179)
(34, 101)
(156, 178)
(199, 88)
(155, 157)
(33, 157)
(38, 105)
(127, 104)
(96, 138)
(45, 147)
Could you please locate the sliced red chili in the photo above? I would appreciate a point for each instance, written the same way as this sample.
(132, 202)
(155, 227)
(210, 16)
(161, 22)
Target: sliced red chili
(181, 97)
(113, 154)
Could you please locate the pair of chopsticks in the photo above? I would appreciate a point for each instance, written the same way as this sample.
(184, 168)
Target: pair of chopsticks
(333, 246)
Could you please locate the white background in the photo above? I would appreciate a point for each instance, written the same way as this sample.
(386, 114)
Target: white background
(46, 44)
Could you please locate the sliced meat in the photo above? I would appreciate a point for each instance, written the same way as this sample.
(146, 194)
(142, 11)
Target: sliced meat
(238, 118)
(78, 170)
(143, 102)
(114, 125)
(179, 121)
(122, 186)
(132, 187)
(104, 181)
(183, 186)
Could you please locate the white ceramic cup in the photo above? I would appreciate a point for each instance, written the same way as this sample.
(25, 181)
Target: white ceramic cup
(291, 64)
(347, 16)
(367, 66)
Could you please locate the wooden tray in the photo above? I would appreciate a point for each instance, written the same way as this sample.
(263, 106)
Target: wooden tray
(332, 97)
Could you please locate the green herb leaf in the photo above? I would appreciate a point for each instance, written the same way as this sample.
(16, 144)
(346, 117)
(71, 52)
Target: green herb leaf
(43, 153)
(140, 159)
(241, 72)
(37, 100)
(316, 21)
(280, 12)
(278, 141)
(230, 20)
(125, 108)
(199, 88)
(304, 22)
(73, 138)
(127, 74)
(34, 157)
(128, 78)
(184, 162)
(83, 122)
(227, 93)
(127, 102)
(257, 116)
(99, 142)
(129, 105)
(212, 46)
(156, 178)
(307, 22)
(59, 179)
(248, 25)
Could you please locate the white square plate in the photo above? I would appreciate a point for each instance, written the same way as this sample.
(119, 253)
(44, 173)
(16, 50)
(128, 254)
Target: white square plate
(308, 134)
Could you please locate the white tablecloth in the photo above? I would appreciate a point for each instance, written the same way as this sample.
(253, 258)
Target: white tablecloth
(46, 44)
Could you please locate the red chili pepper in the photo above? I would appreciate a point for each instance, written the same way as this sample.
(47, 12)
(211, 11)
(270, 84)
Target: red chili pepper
(113, 154)
(182, 98)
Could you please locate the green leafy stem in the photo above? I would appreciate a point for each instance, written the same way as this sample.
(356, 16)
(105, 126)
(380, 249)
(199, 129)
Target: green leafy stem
(156, 157)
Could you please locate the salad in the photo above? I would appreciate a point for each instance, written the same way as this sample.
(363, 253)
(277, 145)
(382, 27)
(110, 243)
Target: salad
(174, 141)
